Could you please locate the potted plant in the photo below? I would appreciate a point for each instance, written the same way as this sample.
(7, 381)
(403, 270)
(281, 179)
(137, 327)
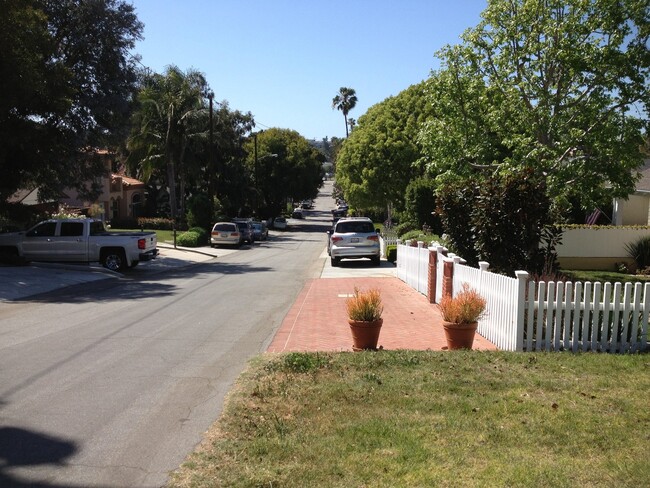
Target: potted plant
(460, 315)
(364, 316)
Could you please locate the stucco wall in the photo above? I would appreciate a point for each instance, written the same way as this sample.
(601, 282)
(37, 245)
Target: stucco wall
(597, 247)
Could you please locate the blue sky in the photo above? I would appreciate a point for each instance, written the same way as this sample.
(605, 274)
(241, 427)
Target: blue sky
(284, 60)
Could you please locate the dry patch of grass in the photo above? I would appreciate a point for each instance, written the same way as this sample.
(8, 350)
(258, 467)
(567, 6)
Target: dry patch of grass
(404, 418)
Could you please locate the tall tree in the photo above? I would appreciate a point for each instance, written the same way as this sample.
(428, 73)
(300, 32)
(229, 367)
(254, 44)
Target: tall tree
(66, 82)
(288, 167)
(376, 163)
(345, 101)
(561, 86)
(164, 124)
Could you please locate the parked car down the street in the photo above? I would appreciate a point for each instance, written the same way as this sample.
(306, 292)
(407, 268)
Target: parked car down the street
(226, 233)
(260, 231)
(246, 229)
(280, 223)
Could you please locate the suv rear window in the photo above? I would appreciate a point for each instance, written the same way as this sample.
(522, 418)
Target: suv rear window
(225, 227)
(355, 227)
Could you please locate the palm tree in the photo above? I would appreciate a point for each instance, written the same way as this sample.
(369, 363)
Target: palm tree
(164, 124)
(345, 101)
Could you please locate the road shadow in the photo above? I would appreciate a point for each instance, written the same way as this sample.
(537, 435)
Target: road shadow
(20, 447)
(136, 285)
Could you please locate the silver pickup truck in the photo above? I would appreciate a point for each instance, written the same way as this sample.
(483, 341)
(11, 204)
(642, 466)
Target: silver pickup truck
(79, 240)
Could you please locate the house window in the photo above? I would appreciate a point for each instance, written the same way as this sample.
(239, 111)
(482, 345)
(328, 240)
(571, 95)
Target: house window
(115, 208)
(136, 204)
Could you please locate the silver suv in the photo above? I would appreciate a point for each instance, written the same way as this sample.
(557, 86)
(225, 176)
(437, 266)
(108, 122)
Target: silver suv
(354, 238)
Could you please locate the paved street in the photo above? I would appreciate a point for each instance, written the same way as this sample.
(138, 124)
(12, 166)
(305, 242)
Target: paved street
(112, 380)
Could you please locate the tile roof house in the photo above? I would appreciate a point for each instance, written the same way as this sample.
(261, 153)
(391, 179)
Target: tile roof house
(121, 197)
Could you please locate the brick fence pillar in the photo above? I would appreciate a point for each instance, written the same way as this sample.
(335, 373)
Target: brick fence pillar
(448, 278)
(432, 274)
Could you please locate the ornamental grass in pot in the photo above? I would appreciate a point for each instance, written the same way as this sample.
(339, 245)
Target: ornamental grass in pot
(364, 316)
(461, 315)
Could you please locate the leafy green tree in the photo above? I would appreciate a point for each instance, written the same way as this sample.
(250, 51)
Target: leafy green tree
(501, 218)
(420, 204)
(66, 82)
(288, 168)
(561, 86)
(233, 180)
(345, 101)
(456, 195)
(376, 163)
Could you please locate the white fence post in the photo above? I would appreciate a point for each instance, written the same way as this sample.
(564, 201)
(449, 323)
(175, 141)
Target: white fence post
(522, 278)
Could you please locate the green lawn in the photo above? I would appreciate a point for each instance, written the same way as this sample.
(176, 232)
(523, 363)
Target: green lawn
(603, 276)
(420, 419)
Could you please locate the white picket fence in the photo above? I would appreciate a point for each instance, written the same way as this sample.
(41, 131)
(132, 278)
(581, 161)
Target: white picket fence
(523, 315)
(586, 317)
(499, 325)
(387, 238)
(413, 266)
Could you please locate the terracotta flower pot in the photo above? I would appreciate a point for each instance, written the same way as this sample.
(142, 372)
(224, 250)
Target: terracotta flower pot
(365, 335)
(459, 336)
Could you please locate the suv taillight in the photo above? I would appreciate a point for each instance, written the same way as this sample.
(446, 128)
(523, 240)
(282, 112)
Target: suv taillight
(373, 238)
(336, 239)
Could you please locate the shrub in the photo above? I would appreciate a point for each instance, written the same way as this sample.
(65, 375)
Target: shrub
(188, 239)
(405, 227)
(203, 234)
(640, 252)
(391, 254)
(466, 307)
(418, 235)
(420, 202)
(365, 306)
(155, 223)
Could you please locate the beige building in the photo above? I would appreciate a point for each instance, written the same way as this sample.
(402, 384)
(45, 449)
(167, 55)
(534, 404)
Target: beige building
(636, 209)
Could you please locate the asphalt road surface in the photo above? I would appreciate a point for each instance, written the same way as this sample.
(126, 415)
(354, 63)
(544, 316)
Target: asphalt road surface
(112, 383)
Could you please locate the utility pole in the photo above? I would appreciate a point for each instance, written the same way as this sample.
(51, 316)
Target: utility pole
(212, 171)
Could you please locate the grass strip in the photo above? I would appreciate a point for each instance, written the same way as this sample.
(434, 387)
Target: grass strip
(413, 419)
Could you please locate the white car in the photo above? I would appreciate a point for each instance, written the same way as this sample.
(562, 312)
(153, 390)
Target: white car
(280, 223)
(354, 238)
(226, 233)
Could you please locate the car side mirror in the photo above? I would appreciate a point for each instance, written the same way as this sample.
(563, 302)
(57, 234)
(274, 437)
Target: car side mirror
(378, 231)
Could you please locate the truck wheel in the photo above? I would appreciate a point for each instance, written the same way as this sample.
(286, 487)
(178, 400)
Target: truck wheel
(114, 259)
(10, 255)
